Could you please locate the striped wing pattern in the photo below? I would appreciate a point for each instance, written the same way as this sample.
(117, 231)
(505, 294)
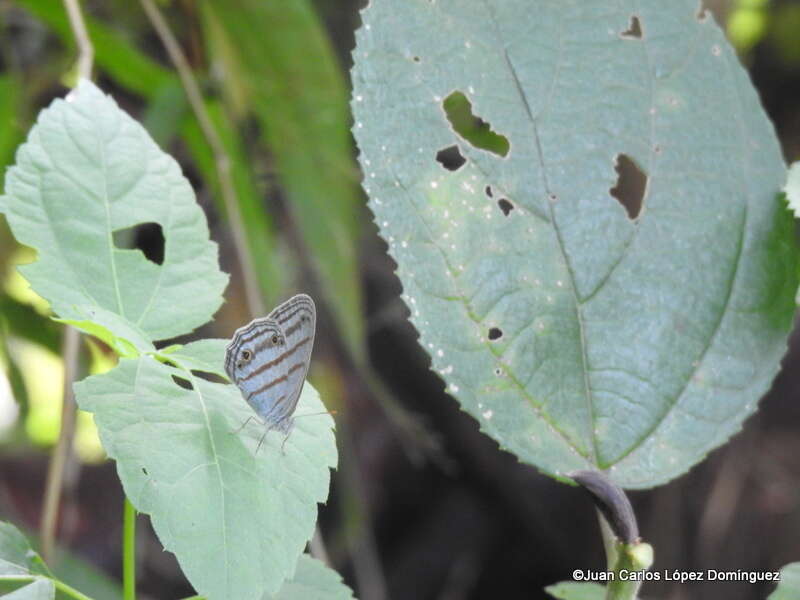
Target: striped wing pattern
(268, 360)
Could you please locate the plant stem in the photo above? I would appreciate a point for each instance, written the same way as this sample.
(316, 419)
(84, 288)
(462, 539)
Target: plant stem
(129, 551)
(67, 589)
(222, 162)
(85, 48)
(55, 470)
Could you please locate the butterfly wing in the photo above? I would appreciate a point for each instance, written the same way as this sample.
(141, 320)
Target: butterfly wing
(297, 318)
(253, 362)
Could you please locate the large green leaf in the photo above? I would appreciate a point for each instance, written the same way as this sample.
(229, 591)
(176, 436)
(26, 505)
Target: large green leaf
(577, 335)
(789, 586)
(86, 171)
(314, 581)
(236, 518)
(296, 91)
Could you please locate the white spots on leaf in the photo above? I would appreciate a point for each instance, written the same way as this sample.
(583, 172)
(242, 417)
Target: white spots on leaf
(715, 50)
(488, 414)
(434, 184)
(359, 98)
(437, 99)
(560, 283)
(440, 353)
(359, 125)
(453, 388)
(404, 244)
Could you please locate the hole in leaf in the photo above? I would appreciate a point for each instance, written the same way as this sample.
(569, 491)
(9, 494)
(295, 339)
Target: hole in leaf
(631, 185)
(505, 205)
(634, 30)
(488, 191)
(182, 382)
(147, 237)
(471, 127)
(450, 158)
(498, 371)
(495, 333)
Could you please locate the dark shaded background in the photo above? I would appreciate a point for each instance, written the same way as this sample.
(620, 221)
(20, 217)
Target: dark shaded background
(445, 515)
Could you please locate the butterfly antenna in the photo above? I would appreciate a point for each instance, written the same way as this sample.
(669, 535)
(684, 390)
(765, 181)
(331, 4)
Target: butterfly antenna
(324, 412)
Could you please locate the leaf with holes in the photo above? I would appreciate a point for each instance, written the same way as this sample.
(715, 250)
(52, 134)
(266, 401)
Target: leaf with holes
(236, 517)
(312, 579)
(606, 279)
(88, 170)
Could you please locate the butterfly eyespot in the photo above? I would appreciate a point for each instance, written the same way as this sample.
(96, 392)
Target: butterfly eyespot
(274, 339)
(246, 355)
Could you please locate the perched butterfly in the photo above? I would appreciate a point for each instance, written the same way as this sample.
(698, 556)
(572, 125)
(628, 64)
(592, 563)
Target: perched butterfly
(268, 361)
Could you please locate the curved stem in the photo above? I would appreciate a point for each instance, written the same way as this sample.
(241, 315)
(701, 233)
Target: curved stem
(222, 162)
(55, 470)
(85, 48)
(129, 551)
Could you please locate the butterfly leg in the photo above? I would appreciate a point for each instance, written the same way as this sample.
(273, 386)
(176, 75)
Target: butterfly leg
(243, 425)
(261, 441)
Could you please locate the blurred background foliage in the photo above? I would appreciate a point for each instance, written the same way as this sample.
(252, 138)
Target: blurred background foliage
(410, 516)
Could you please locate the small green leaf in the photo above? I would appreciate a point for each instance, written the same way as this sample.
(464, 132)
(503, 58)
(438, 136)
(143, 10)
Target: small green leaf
(16, 555)
(313, 580)
(236, 519)
(789, 586)
(38, 589)
(86, 171)
(573, 590)
(20, 563)
(580, 331)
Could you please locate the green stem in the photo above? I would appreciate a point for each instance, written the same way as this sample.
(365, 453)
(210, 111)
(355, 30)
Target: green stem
(71, 591)
(59, 585)
(129, 551)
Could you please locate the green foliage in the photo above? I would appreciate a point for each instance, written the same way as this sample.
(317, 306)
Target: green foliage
(21, 568)
(86, 171)
(24, 576)
(313, 580)
(573, 590)
(294, 87)
(577, 336)
(236, 519)
(789, 587)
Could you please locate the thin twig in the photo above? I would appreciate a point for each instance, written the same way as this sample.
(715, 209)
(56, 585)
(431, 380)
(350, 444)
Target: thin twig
(55, 471)
(85, 48)
(221, 160)
(70, 346)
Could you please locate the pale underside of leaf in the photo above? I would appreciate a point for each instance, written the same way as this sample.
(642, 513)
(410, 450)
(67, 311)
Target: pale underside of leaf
(313, 580)
(86, 171)
(633, 345)
(237, 520)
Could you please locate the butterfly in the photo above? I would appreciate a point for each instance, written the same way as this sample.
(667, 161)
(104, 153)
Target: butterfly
(268, 360)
